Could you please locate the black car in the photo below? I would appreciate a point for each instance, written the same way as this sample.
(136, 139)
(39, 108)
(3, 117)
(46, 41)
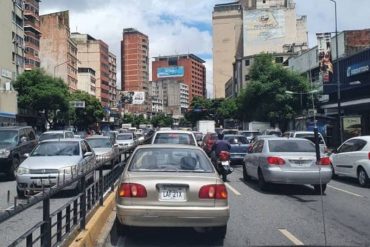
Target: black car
(14, 143)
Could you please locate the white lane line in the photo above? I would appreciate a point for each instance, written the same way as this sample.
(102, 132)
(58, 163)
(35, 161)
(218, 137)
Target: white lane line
(291, 237)
(232, 189)
(345, 191)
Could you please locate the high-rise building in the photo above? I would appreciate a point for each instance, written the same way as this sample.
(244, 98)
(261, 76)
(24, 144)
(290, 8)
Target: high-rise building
(32, 34)
(58, 52)
(112, 80)
(93, 53)
(249, 27)
(11, 58)
(86, 80)
(188, 69)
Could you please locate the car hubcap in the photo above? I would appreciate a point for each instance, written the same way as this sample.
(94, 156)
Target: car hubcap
(362, 177)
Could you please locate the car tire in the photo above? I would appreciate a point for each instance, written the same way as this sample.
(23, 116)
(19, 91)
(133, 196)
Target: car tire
(262, 184)
(20, 193)
(13, 168)
(219, 232)
(318, 189)
(246, 177)
(363, 178)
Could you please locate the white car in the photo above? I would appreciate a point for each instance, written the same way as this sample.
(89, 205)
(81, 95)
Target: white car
(352, 159)
(174, 137)
(309, 135)
(56, 134)
(125, 140)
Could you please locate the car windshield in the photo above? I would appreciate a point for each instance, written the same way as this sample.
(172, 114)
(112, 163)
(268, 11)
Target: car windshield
(174, 138)
(236, 139)
(8, 137)
(57, 149)
(48, 136)
(310, 137)
(170, 160)
(124, 137)
(99, 142)
(291, 146)
(249, 134)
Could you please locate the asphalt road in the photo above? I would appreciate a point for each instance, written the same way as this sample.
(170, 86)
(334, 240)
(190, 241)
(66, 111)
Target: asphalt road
(285, 215)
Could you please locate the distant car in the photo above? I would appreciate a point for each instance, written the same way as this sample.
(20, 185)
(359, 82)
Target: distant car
(208, 141)
(125, 140)
(352, 159)
(52, 161)
(171, 185)
(309, 135)
(230, 132)
(15, 142)
(165, 128)
(286, 161)
(275, 132)
(198, 137)
(249, 134)
(239, 147)
(56, 134)
(174, 137)
(104, 149)
(261, 137)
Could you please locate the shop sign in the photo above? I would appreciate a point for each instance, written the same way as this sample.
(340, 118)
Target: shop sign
(359, 68)
(351, 126)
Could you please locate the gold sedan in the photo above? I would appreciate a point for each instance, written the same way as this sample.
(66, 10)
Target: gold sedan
(172, 186)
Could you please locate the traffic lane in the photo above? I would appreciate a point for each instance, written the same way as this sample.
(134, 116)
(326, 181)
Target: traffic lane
(298, 209)
(349, 185)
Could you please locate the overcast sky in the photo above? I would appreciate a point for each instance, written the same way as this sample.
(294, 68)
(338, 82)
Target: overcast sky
(185, 26)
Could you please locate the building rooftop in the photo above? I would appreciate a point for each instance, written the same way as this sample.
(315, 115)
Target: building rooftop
(227, 6)
(132, 31)
(191, 56)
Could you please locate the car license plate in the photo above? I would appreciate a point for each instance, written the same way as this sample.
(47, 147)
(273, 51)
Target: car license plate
(225, 163)
(44, 182)
(172, 194)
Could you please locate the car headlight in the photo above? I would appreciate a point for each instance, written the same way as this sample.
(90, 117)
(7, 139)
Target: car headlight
(4, 153)
(22, 170)
(68, 170)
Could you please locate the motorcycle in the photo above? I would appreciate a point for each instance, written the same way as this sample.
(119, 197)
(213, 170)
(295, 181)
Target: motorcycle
(223, 165)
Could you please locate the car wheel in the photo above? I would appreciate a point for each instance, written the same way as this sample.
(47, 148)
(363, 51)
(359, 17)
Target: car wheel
(363, 178)
(219, 232)
(13, 169)
(246, 177)
(262, 184)
(319, 189)
(20, 193)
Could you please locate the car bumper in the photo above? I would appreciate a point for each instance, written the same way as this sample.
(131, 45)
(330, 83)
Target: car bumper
(173, 217)
(34, 183)
(237, 157)
(281, 176)
(5, 164)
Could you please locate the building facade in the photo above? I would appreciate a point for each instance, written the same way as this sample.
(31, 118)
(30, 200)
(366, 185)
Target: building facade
(188, 69)
(93, 53)
(32, 34)
(58, 52)
(87, 80)
(112, 80)
(12, 57)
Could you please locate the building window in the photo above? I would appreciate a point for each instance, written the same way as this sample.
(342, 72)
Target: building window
(279, 59)
(247, 62)
(246, 77)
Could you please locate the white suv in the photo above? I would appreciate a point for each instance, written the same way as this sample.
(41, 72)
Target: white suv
(174, 137)
(310, 136)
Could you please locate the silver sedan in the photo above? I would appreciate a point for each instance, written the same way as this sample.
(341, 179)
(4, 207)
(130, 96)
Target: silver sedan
(286, 161)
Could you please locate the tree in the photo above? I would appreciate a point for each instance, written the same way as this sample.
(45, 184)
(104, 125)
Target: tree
(161, 120)
(134, 119)
(42, 93)
(91, 114)
(265, 97)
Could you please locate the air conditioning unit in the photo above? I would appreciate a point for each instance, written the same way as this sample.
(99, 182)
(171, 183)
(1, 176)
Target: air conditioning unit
(7, 86)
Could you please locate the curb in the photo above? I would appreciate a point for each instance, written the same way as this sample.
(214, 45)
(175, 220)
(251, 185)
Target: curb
(90, 236)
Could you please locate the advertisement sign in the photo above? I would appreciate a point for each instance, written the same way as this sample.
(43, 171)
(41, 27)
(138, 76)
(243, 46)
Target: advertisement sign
(325, 58)
(77, 104)
(351, 126)
(175, 71)
(134, 98)
(359, 68)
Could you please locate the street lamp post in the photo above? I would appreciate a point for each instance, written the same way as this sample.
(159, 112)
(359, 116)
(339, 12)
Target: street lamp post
(338, 75)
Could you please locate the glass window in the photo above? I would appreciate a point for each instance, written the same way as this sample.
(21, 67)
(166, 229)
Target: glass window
(352, 145)
(100, 142)
(8, 137)
(236, 139)
(32, 135)
(84, 147)
(174, 138)
(125, 137)
(170, 160)
(310, 137)
(48, 136)
(359, 144)
(57, 149)
(258, 146)
(291, 146)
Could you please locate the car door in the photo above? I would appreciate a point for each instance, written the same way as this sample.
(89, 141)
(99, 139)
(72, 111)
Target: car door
(341, 159)
(252, 158)
(357, 153)
(26, 142)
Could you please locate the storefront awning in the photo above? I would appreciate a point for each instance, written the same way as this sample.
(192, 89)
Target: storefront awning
(346, 103)
(7, 115)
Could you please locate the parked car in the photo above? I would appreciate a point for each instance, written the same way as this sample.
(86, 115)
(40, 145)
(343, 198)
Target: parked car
(198, 137)
(56, 134)
(176, 184)
(174, 137)
(15, 142)
(52, 161)
(309, 135)
(352, 159)
(125, 140)
(286, 161)
(249, 134)
(208, 141)
(104, 149)
(239, 147)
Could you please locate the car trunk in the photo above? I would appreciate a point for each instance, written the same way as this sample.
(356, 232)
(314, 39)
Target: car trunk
(297, 161)
(239, 148)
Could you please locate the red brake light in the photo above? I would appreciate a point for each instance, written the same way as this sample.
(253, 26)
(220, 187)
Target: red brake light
(275, 161)
(213, 191)
(224, 155)
(132, 190)
(368, 155)
(325, 161)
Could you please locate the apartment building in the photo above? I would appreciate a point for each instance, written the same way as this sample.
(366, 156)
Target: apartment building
(32, 34)
(87, 80)
(112, 80)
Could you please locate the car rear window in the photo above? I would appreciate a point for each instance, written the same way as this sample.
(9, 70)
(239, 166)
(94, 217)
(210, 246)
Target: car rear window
(291, 146)
(124, 137)
(174, 138)
(236, 139)
(49, 136)
(170, 160)
(57, 149)
(310, 137)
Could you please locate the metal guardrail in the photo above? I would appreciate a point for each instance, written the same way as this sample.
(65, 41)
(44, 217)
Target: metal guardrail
(55, 227)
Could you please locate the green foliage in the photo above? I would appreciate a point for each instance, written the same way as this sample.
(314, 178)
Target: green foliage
(161, 120)
(84, 117)
(134, 120)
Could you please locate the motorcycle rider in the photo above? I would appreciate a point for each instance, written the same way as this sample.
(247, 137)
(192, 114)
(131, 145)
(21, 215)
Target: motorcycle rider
(218, 146)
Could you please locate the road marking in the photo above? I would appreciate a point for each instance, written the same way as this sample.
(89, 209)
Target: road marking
(232, 189)
(345, 191)
(291, 237)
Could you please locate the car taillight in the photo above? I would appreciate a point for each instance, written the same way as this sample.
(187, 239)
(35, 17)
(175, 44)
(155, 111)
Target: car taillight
(325, 161)
(368, 155)
(213, 191)
(132, 190)
(224, 156)
(275, 161)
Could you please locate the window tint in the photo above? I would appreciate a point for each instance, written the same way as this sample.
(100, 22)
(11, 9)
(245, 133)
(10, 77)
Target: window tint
(291, 146)
(32, 135)
(359, 144)
(352, 145)
(83, 147)
(69, 135)
(258, 147)
(88, 148)
(48, 136)
(57, 149)
(236, 139)
(310, 137)
(174, 138)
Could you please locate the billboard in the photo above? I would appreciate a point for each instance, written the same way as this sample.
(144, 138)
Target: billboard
(166, 72)
(134, 98)
(325, 58)
(351, 126)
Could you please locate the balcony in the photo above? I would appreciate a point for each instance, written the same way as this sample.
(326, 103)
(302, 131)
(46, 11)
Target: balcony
(35, 26)
(28, 12)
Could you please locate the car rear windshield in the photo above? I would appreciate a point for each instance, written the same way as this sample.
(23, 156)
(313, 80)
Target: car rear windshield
(170, 160)
(174, 138)
(57, 149)
(310, 137)
(8, 137)
(48, 136)
(291, 146)
(249, 134)
(236, 139)
(124, 137)
(100, 143)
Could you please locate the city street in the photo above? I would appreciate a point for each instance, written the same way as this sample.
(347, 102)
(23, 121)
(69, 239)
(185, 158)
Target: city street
(285, 215)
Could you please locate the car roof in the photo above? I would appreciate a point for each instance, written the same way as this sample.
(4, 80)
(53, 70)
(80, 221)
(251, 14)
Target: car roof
(236, 135)
(98, 137)
(286, 139)
(62, 140)
(14, 127)
(56, 131)
(168, 146)
(126, 133)
(174, 131)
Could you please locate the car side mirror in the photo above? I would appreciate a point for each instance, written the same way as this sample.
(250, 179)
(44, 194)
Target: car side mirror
(87, 154)
(26, 155)
(115, 145)
(23, 139)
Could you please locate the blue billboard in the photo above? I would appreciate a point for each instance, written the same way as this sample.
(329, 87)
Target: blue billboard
(175, 71)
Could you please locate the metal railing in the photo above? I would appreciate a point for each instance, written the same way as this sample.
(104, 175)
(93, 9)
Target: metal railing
(56, 227)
